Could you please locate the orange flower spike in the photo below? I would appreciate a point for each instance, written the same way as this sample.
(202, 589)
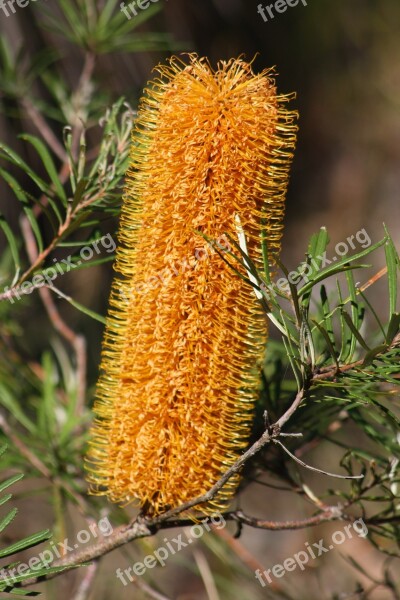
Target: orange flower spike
(185, 336)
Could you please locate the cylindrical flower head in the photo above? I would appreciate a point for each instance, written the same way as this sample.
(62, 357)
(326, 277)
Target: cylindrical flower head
(185, 335)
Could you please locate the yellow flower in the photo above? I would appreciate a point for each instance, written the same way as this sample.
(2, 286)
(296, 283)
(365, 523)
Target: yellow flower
(185, 335)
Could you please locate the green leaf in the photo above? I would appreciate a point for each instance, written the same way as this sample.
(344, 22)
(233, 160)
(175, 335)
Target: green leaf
(23, 198)
(314, 256)
(74, 21)
(47, 407)
(123, 25)
(346, 336)
(12, 242)
(355, 332)
(86, 264)
(328, 342)
(106, 15)
(20, 592)
(143, 42)
(293, 363)
(79, 264)
(392, 262)
(329, 272)
(33, 573)
(373, 311)
(48, 163)
(266, 258)
(80, 190)
(10, 481)
(15, 159)
(373, 353)
(5, 521)
(5, 499)
(11, 404)
(80, 307)
(327, 321)
(393, 327)
(355, 310)
(317, 247)
(28, 542)
(344, 264)
(6, 57)
(307, 351)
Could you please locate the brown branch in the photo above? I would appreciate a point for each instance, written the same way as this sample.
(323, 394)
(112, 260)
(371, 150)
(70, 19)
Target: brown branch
(330, 513)
(141, 528)
(120, 536)
(23, 449)
(332, 371)
(42, 255)
(39, 258)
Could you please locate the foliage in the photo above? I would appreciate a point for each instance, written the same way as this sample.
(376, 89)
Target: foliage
(65, 182)
(10, 575)
(351, 383)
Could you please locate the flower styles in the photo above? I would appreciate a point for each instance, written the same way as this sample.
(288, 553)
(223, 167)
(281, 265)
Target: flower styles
(185, 335)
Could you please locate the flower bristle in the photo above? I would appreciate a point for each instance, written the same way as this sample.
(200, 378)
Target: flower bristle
(185, 335)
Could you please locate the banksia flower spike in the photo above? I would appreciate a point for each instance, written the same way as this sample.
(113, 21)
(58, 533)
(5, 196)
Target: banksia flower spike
(185, 335)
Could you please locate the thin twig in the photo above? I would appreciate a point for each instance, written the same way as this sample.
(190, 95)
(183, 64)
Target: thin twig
(206, 575)
(86, 584)
(76, 340)
(152, 593)
(43, 128)
(311, 468)
(23, 449)
(331, 513)
(37, 464)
